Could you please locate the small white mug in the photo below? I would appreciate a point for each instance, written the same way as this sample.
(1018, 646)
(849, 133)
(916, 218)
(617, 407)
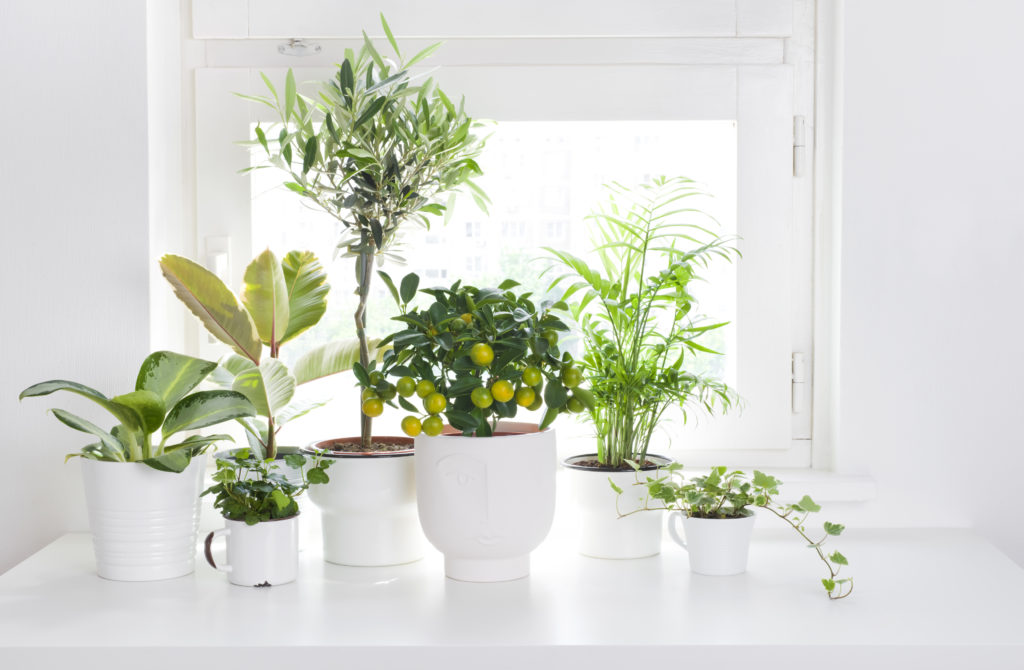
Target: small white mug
(717, 547)
(265, 554)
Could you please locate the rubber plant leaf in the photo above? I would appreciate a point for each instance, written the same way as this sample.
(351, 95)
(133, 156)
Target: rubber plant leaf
(307, 287)
(269, 387)
(329, 359)
(171, 376)
(265, 295)
(228, 369)
(206, 408)
(214, 305)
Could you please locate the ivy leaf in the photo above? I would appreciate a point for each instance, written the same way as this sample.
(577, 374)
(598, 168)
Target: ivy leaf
(615, 487)
(838, 558)
(807, 505)
(829, 585)
(317, 476)
(834, 528)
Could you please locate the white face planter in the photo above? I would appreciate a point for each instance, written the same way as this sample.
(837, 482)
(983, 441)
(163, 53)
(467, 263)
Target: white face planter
(487, 502)
(717, 547)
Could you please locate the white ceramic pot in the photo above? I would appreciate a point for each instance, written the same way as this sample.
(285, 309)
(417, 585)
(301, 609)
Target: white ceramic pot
(717, 547)
(369, 507)
(603, 533)
(144, 521)
(487, 502)
(264, 554)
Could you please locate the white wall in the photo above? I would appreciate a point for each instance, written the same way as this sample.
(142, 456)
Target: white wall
(931, 368)
(73, 217)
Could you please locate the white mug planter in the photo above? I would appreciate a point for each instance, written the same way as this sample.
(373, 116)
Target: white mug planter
(603, 533)
(369, 506)
(264, 554)
(717, 547)
(144, 521)
(487, 502)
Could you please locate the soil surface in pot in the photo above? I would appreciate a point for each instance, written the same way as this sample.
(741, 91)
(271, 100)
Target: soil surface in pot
(625, 467)
(355, 447)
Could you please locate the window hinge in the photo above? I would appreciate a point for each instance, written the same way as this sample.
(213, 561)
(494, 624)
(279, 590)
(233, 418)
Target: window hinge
(799, 370)
(799, 145)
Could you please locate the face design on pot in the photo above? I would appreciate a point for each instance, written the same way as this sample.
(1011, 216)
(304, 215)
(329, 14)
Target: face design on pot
(464, 482)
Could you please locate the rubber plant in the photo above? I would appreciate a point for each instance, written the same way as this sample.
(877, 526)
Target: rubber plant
(162, 403)
(637, 315)
(281, 299)
(475, 355)
(376, 149)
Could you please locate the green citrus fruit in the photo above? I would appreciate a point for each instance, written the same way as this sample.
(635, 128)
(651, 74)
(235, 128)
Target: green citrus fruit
(525, 396)
(411, 426)
(537, 403)
(481, 397)
(481, 354)
(424, 388)
(502, 390)
(406, 386)
(367, 394)
(574, 405)
(373, 407)
(435, 403)
(388, 392)
(532, 376)
(572, 377)
(376, 378)
(433, 425)
(551, 336)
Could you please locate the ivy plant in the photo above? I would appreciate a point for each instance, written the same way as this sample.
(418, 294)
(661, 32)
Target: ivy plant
(637, 314)
(377, 148)
(281, 299)
(724, 494)
(474, 356)
(162, 403)
(249, 488)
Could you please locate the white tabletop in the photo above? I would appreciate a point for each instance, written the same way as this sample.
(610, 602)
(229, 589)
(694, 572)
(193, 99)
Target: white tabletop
(944, 597)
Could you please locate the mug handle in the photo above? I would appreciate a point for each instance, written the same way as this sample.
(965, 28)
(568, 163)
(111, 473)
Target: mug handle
(208, 549)
(674, 528)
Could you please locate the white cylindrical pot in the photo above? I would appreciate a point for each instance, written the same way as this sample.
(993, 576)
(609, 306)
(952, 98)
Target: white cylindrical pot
(717, 547)
(144, 521)
(603, 532)
(487, 502)
(369, 507)
(264, 554)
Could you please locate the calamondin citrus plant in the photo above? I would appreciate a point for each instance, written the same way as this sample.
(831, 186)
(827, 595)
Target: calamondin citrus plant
(471, 357)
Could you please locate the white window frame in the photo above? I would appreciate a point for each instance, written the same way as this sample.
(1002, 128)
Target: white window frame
(756, 42)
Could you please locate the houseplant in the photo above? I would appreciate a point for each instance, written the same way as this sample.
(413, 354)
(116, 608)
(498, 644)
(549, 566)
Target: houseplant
(717, 519)
(637, 318)
(143, 497)
(261, 516)
(377, 150)
(477, 358)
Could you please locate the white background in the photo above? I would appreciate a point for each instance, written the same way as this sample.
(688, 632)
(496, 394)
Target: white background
(929, 308)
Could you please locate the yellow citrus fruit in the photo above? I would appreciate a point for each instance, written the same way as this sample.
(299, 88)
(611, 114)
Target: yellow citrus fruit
(481, 397)
(411, 426)
(525, 396)
(406, 386)
(424, 388)
(435, 403)
(572, 377)
(367, 394)
(481, 354)
(467, 317)
(502, 390)
(531, 376)
(373, 407)
(433, 425)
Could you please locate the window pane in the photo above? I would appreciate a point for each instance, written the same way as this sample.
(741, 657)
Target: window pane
(543, 179)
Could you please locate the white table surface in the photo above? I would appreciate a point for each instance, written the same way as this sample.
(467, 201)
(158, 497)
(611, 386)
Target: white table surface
(942, 597)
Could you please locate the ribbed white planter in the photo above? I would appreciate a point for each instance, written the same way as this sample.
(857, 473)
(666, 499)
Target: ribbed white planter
(603, 533)
(717, 547)
(144, 521)
(487, 502)
(369, 507)
(264, 554)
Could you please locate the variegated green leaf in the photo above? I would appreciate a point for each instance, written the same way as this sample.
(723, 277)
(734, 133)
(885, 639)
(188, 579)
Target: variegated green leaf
(110, 447)
(171, 376)
(214, 304)
(228, 369)
(307, 292)
(269, 387)
(206, 408)
(123, 414)
(265, 295)
(147, 405)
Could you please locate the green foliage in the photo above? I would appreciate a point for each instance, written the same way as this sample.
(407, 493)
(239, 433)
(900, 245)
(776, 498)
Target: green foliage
(637, 314)
(280, 300)
(248, 488)
(161, 402)
(724, 494)
(474, 340)
(376, 148)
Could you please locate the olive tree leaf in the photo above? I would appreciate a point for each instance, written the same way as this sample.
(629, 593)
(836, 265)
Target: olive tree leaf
(306, 283)
(171, 376)
(214, 304)
(265, 295)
